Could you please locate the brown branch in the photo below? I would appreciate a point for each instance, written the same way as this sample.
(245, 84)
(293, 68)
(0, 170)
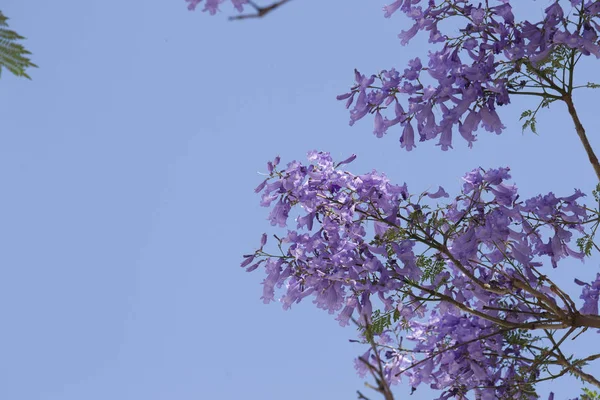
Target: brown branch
(582, 136)
(540, 94)
(260, 11)
(454, 346)
(580, 374)
(378, 371)
(588, 359)
(542, 324)
(562, 360)
(586, 320)
(550, 352)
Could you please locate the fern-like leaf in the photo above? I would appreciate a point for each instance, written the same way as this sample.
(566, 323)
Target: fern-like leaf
(13, 56)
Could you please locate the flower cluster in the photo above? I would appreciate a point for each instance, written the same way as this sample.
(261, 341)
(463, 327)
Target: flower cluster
(464, 279)
(491, 58)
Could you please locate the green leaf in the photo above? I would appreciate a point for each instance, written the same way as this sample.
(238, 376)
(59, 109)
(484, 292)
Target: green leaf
(529, 116)
(13, 56)
(431, 266)
(526, 113)
(586, 244)
(589, 394)
(596, 193)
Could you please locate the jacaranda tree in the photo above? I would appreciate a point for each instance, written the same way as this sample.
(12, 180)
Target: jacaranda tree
(456, 296)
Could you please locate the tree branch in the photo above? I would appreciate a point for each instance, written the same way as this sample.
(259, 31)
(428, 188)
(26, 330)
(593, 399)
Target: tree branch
(582, 136)
(378, 371)
(260, 11)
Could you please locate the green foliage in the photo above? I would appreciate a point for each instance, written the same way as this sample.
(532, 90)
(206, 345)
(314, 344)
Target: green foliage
(380, 321)
(586, 244)
(589, 394)
(431, 266)
(519, 337)
(596, 193)
(557, 61)
(530, 115)
(529, 120)
(13, 56)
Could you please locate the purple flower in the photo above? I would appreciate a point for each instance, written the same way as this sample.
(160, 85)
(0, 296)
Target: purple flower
(212, 6)
(496, 176)
(407, 140)
(380, 126)
(362, 364)
(344, 317)
(445, 136)
(504, 194)
(280, 213)
(392, 8)
(193, 4)
(405, 36)
(490, 120)
(239, 4)
(440, 193)
(504, 11)
(477, 14)
(590, 293)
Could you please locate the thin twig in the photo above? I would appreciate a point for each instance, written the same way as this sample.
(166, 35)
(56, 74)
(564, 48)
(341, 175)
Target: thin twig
(260, 11)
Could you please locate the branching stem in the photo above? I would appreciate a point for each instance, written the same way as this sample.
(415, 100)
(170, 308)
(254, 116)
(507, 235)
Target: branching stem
(582, 135)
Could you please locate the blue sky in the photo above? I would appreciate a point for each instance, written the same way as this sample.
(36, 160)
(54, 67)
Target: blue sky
(127, 168)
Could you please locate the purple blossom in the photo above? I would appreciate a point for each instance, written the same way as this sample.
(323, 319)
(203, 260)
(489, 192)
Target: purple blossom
(439, 193)
(407, 140)
(474, 73)
(392, 8)
(347, 249)
(590, 294)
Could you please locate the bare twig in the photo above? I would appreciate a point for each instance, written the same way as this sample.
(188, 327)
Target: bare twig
(361, 396)
(260, 11)
(582, 135)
